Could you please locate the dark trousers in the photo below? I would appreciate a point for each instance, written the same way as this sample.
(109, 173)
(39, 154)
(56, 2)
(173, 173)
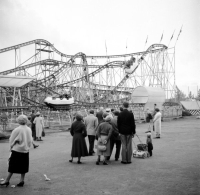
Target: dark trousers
(118, 148)
(150, 152)
(33, 131)
(91, 139)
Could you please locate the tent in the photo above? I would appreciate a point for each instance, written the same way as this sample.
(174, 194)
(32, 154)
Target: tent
(148, 96)
(14, 81)
(192, 106)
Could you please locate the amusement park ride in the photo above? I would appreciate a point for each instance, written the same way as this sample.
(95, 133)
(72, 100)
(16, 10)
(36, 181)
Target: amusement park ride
(63, 81)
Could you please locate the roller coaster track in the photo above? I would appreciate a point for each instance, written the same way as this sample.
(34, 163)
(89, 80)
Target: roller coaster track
(47, 43)
(20, 68)
(92, 73)
(153, 48)
(32, 102)
(50, 61)
(163, 47)
(71, 60)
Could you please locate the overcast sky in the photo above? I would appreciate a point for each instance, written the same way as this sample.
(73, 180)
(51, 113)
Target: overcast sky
(83, 26)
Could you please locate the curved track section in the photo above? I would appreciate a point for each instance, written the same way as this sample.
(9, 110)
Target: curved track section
(154, 47)
(47, 43)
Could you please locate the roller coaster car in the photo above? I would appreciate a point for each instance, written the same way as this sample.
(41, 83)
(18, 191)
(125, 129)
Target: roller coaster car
(62, 102)
(130, 66)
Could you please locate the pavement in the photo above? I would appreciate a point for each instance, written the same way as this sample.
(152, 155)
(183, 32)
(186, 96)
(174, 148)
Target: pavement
(174, 168)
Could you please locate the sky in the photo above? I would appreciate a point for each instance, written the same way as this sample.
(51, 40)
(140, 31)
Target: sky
(85, 25)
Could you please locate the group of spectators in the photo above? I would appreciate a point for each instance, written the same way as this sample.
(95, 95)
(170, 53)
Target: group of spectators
(109, 127)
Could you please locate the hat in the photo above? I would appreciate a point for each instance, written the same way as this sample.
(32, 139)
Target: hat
(79, 116)
(148, 134)
(22, 119)
(108, 110)
(108, 118)
(38, 113)
(105, 114)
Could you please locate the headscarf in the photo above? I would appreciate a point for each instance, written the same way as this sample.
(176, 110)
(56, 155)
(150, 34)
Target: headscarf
(108, 118)
(22, 119)
(79, 117)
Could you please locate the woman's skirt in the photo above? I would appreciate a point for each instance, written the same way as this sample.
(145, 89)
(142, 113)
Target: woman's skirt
(18, 162)
(107, 151)
(79, 147)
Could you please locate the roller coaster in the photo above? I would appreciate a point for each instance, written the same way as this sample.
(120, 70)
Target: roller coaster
(91, 80)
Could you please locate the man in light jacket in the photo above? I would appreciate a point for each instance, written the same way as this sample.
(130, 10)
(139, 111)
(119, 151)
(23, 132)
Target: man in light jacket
(91, 123)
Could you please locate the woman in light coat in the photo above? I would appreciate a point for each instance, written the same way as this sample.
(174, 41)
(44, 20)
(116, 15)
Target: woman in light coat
(157, 122)
(104, 132)
(39, 125)
(20, 143)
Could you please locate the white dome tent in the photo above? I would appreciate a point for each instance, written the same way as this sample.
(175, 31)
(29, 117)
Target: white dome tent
(148, 96)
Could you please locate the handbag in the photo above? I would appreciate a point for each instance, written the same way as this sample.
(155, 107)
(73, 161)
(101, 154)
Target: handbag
(43, 133)
(101, 147)
(84, 133)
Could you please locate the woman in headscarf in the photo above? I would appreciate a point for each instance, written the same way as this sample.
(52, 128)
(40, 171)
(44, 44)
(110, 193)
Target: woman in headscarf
(20, 143)
(39, 125)
(78, 131)
(157, 122)
(104, 131)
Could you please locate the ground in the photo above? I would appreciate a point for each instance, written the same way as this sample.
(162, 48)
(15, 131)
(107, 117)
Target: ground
(173, 169)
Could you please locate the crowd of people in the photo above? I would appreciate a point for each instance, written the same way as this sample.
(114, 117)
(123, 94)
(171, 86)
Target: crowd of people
(109, 127)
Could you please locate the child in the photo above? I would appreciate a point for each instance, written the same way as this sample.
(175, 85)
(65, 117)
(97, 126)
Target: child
(149, 143)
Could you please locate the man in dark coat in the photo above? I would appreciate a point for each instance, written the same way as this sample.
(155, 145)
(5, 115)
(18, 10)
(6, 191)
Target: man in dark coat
(126, 126)
(33, 125)
(99, 115)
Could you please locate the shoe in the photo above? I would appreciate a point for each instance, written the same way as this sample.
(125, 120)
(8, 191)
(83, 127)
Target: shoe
(116, 159)
(20, 184)
(5, 184)
(128, 162)
(79, 162)
(35, 146)
(70, 161)
(97, 163)
(105, 163)
(123, 162)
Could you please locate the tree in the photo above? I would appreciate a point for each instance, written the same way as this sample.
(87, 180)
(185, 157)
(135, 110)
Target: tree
(191, 96)
(180, 96)
(198, 95)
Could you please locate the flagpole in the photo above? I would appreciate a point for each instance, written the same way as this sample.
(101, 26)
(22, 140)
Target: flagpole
(171, 38)
(161, 37)
(126, 49)
(145, 42)
(106, 48)
(178, 36)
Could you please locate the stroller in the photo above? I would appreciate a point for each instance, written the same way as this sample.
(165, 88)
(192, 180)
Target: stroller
(141, 150)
